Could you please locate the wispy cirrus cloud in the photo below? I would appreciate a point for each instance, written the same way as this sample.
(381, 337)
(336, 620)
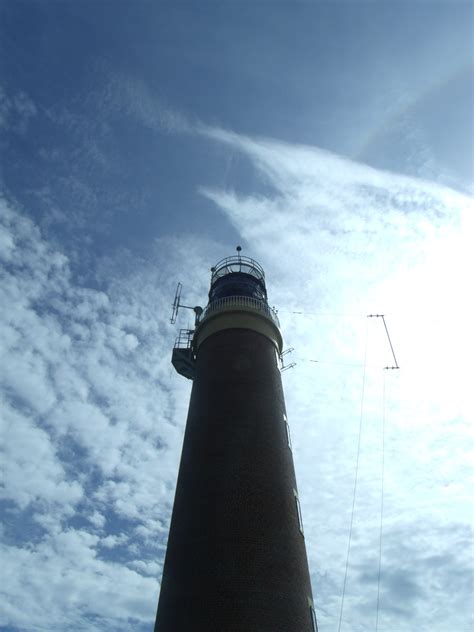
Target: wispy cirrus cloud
(343, 239)
(16, 111)
(129, 96)
(87, 379)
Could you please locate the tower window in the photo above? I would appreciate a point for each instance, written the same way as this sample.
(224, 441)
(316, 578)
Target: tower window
(298, 511)
(288, 436)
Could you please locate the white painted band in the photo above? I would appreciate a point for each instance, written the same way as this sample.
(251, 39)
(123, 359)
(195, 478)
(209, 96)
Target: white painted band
(238, 318)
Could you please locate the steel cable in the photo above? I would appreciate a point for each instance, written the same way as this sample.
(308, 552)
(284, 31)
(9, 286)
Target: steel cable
(354, 494)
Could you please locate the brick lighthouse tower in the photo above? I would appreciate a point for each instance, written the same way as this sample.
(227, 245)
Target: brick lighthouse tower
(236, 557)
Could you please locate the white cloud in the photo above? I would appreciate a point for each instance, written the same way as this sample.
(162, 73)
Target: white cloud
(340, 239)
(97, 519)
(147, 568)
(131, 96)
(31, 469)
(92, 427)
(112, 541)
(65, 574)
(97, 413)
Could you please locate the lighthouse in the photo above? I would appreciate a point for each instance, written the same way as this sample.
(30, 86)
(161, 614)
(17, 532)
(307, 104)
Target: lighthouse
(236, 556)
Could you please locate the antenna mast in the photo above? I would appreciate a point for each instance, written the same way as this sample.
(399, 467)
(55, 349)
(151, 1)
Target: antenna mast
(177, 304)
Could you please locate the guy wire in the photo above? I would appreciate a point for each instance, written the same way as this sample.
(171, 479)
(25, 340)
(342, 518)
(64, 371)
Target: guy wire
(306, 313)
(391, 346)
(354, 494)
(381, 505)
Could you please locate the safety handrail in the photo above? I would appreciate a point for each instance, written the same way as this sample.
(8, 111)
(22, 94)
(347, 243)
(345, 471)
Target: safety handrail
(232, 302)
(184, 340)
(237, 264)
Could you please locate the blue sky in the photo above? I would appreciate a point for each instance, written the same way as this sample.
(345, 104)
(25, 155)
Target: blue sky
(140, 142)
